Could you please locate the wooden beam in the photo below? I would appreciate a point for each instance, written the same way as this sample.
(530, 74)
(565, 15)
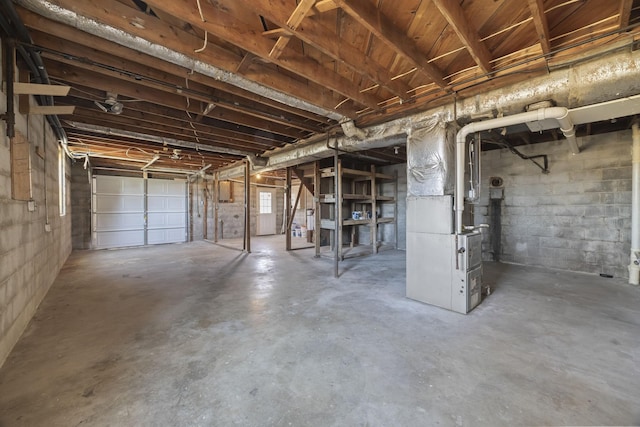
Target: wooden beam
(370, 17)
(467, 33)
(301, 10)
(227, 27)
(163, 96)
(323, 6)
(157, 32)
(275, 33)
(322, 38)
(624, 13)
(39, 89)
(51, 110)
(51, 34)
(542, 26)
(150, 77)
(287, 209)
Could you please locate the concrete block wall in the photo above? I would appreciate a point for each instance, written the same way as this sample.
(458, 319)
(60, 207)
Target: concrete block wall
(230, 214)
(575, 218)
(80, 206)
(30, 256)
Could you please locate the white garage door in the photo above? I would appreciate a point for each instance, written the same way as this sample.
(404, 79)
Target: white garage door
(166, 211)
(120, 206)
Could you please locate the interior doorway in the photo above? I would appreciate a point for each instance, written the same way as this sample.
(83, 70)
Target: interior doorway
(266, 211)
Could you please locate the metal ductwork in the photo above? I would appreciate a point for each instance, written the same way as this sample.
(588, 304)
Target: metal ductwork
(351, 131)
(88, 25)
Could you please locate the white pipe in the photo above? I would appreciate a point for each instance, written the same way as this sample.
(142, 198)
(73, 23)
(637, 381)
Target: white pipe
(634, 268)
(560, 114)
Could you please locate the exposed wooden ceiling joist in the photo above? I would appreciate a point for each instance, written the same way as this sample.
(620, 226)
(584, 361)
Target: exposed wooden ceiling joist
(302, 9)
(466, 31)
(227, 27)
(540, 21)
(625, 13)
(367, 15)
(323, 39)
(368, 60)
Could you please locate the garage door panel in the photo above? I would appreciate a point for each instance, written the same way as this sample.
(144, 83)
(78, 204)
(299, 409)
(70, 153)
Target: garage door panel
(118, 221)
(163, 187)
(167, 235)
(118, 203)
(119, 185)
(164, 220)
(117, 239)
(165, 204)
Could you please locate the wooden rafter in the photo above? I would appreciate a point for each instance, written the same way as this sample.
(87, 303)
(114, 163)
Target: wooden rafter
(370, 17)
(227, 27)
(293, 22)
(53, 35)
(453, 13)
(625, 13)
(165, 97)
(542, 26)
(183, 42)
(322, 6)
(323, 39)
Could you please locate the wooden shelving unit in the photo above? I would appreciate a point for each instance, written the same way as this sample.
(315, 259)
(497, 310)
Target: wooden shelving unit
(357, 191)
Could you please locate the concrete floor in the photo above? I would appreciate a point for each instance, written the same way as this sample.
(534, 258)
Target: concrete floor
(196, 334)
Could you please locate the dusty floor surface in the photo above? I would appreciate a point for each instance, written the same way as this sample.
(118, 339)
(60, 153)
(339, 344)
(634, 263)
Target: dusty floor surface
(197, 334)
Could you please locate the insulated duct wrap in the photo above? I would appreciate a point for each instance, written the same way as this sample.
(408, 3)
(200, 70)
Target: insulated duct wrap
(431, 159)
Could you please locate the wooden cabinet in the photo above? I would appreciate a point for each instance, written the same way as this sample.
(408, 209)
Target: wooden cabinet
(362, 203)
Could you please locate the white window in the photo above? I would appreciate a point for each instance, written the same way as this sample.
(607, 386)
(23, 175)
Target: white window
(62, 182)
(265, 202)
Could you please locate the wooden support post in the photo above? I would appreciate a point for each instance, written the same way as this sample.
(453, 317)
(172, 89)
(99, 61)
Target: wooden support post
(247, 207)
(216, 198)
(339, 209)
(205, 219)
(374, 211)
(287, 204)
(395, 207)
(316, 198)
(337, 216)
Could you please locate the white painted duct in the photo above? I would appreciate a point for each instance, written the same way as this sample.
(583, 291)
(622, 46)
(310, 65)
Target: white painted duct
(634, 261)
(560, 114)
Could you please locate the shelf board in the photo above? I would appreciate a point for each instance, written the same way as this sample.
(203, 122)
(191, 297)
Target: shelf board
(362, 198)
(329, 224)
